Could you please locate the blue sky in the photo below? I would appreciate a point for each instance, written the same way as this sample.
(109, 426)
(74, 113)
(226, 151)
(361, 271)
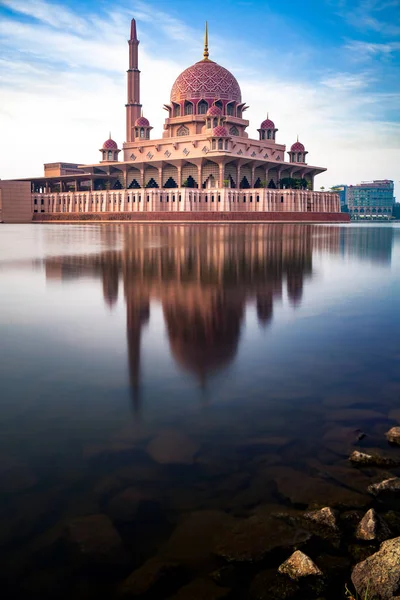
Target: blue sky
(328, 71)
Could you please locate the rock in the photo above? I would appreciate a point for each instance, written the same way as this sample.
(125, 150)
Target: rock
(201, 589)
(155, 572)
(378, 576)
(303, 489)
(325, 517)
(393, 435)
(192, 541)
(387, 486)
(93, 541)
(340, 439)
(225, 576)
(299, 565)
(372, 460)
(372, 528)
(133, 504)
(172, 447)
(269, 585)
(250, 540)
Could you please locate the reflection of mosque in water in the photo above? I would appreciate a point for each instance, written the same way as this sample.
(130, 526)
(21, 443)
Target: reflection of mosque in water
(203, 277)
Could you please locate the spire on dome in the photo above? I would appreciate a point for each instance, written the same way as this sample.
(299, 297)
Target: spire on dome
(206, 54)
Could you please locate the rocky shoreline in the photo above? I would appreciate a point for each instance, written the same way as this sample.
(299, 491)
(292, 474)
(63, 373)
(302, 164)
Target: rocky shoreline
(253, 535)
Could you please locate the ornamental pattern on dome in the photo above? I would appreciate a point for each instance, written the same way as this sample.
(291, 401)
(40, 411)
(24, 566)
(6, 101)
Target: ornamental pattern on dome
(297, 147)
(220, 131)
(110, 145)
(267, 124)
(142, 122)
(206, 79)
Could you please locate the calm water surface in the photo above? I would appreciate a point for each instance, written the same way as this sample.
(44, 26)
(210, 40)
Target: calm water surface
(192, 367)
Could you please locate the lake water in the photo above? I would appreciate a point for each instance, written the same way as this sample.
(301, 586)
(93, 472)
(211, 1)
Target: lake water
(148, 372)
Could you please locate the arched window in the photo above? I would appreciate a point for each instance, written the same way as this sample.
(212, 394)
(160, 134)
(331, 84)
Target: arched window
(213, 145)
(220, 144)
(230, 109)
(202, 107)
(215, 122)
(182, 131)
(269, 134)
(208, 123)
(234, 131)
(188, 108)
(226, 144)
(239, 113)
(142, 132)
(109, 155)
(262, 137)
(177, 110)
(219, 104)
(299, 157)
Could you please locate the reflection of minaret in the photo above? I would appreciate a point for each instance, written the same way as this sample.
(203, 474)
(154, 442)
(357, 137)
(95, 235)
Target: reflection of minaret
(138, 314)
(110, 283)
(265, 307)
(133, 107)
(295, 286)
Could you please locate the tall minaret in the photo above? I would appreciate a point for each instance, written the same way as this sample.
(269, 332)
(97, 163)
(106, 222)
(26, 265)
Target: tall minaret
(133, 108)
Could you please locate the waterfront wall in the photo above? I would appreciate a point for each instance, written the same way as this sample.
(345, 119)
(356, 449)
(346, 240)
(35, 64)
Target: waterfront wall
(185, 200)
(15, 202)
(196, 217)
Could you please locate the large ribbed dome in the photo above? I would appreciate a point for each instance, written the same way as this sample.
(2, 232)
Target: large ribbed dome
(206, 80)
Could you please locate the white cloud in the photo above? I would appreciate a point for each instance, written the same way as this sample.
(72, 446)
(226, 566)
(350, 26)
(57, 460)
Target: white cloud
(64, 89)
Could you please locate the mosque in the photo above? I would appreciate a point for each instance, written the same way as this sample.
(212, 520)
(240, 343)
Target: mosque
(204, 167)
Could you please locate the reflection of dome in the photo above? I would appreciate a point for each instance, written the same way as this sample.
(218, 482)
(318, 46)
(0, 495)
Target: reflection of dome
(297, 147)
(206, 80)
(110, 145)
(214, 111)
(267, 124)
(220, 131)
(142, 122)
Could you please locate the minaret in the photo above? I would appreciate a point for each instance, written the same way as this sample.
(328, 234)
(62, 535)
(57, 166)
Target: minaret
(133, 108)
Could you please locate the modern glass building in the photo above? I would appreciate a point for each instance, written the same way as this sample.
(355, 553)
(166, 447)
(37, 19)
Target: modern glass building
(372, 200)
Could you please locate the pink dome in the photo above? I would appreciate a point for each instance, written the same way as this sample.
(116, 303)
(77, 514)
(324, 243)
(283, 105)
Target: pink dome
(110, 145)
(267, 124)
(220, 131)
(142, 122)
(206, 79)
(214, 111)
(297, 147)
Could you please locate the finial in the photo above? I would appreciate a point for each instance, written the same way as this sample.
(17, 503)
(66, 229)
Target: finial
(267, 115)
(141, 112)
(205, 54)
(109, 135)
(297, 137)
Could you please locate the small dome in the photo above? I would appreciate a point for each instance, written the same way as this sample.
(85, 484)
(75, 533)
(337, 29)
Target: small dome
(267, 124)
(110, 145)
(220, 131)
(214, 111)
(297, 147)
(142, 122)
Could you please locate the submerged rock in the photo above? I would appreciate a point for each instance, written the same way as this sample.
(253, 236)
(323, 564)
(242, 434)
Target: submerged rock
(372, 528)
(270, 585)
(252, 539)
(299, 565)
(393, 435)
(372, 460)
(387, 486)
(201, 589)
(156, 571)
(378, 576)
(172, 447)
(94, 541)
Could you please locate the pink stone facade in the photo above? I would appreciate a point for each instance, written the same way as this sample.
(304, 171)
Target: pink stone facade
(204, 162)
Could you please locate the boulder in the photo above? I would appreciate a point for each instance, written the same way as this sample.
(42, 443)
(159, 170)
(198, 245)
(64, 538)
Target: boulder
(94, 541)
(385, 487)
(201, 589)
(299, 565)
(393, 435)
(325, 517)
(153, 573)
(378, 576)
(172, 447)
(250, 540)
(372, 528)
(134, 503)
(192, 542)
(372, 460)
